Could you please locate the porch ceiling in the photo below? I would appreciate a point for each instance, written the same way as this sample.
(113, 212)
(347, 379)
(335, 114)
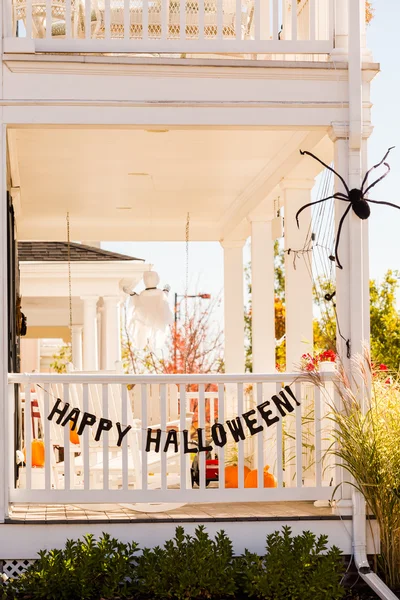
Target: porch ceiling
(140, 184)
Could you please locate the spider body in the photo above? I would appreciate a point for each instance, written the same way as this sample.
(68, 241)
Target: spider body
(355, 197)
(359, 204)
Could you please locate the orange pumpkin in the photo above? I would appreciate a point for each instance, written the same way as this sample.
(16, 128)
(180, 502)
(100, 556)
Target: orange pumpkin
(252, 479)
(37, 451)
(73, 436)
(232, 476)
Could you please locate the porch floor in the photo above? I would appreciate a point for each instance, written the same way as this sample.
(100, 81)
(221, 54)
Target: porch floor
(189, 513)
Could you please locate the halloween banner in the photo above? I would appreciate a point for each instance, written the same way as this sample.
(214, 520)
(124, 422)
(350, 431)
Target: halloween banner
(235, 429)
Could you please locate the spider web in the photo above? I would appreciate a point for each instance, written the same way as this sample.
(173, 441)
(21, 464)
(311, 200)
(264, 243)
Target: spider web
(318, 246)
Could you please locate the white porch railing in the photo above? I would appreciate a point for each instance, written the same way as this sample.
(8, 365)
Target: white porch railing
(170, 26)
(293, 439)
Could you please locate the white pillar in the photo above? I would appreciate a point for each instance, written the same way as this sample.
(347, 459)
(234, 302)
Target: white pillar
(6, 406)
(263, 327)
(352, 282)
(262, 297)
(233, 306)
(76, 345)
(298, 281)
(90, 347)
(111, 322)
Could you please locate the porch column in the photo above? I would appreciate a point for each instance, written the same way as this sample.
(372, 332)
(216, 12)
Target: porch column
(76, 344)
(298, 282)
(352, 282)
(262, 297)
(233, 306)
(6, 402)
(90, 348)
(112, 325)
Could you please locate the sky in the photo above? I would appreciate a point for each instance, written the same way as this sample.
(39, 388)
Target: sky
(206, 259)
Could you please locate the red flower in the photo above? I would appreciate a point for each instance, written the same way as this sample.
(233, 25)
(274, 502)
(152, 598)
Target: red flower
(383, 368)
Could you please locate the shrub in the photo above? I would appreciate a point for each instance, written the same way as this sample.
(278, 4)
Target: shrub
(84, 570)
(294, 568)
(188, 567)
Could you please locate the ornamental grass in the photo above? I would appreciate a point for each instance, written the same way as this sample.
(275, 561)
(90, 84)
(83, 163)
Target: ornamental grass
(367, 432)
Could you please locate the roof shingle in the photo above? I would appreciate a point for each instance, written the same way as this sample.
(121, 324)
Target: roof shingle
(58, 252)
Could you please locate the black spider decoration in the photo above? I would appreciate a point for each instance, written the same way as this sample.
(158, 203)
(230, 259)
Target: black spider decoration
(355, 197)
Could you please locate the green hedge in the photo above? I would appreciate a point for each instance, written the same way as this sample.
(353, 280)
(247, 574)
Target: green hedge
(185, 568)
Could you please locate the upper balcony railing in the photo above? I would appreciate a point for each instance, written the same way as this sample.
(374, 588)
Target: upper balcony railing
(170, 26)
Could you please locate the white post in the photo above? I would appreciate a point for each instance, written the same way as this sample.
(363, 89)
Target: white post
(112, 324)
(5, 436)
(352, 282)
(76, 345)
(340, 52)
(262, 297)
(263, 325)
(298, 277)
(233, 318)
(233, 307)
(90, 352)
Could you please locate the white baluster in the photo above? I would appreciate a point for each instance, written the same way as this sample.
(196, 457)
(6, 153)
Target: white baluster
(163, 414)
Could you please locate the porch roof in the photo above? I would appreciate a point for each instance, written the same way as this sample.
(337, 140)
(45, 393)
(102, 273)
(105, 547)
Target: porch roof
(58, 252)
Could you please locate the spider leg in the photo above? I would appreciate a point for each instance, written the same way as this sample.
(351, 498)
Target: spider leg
(379, 202)
(378, 180)
(375, 167)
(338, 235)
(338, 196)
(346, 187)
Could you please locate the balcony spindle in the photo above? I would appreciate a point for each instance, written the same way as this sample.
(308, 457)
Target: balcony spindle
(127, 26)
(318, 430)
(163, 419)
(221, 451)
(202, 455)
(257, 19)
(48, 20)
(144, 436)
(275, 18)
(124, 422)
(68, 20)
(312, 20)
(88, 19)
(238, 24)
(220, 19)
(182, 426)
(201, 19)
(47, 440)
(299, 440)
(145, 19)
(104, 437)
(279, 445)
(164, 19)
(331, 22)
(28, 436)
(294, 20)
(67, 452)
(107, 20)
(85, 440)
(240, 411)
(260, 442)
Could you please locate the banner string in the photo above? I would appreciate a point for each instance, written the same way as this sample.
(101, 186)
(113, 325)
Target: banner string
(145, 429)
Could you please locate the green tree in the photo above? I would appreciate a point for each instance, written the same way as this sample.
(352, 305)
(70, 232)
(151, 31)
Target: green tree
(61, 360)
(385, 321)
